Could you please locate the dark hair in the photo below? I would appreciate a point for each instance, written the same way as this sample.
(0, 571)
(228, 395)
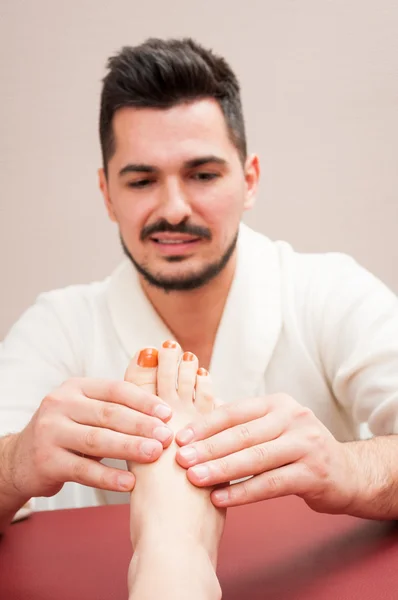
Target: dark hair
(162, 73)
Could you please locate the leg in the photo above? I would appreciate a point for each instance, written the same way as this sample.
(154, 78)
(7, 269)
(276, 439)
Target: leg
(175, 529)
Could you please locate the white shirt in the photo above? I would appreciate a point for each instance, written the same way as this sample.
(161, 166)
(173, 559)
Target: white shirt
(318, 327)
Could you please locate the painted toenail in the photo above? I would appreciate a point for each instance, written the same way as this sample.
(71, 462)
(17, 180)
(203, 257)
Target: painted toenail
(202, 372)
(169, 344)
(162, 433)
(188, 453)
(148, 358)
(148, 447)
(162, 411)
(201, 472)
(188, 356)
(186, 436)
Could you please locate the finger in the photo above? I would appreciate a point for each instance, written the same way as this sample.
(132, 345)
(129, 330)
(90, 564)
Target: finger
(251, 461)
(96, 441)
(232, 440)
(222, 418)
(125, 393)
(187, 376)
(94, 474)
(117, 417)
(290, 479)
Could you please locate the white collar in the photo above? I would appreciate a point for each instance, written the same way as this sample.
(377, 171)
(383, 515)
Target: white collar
(249, 327)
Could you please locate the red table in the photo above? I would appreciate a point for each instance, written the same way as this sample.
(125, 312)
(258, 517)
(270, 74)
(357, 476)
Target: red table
(274, 550)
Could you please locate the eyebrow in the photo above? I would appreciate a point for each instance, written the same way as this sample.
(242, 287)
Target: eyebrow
(189, 164)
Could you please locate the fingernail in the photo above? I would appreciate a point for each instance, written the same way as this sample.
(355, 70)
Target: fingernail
(186, 436)
(148, 358)
(162, 433)
(201, 472)
(169, 344)
(148, 447)
(188, 453)
(202, 372)
(220, 495)
(162, 411)
(125, 481)
(188, 356)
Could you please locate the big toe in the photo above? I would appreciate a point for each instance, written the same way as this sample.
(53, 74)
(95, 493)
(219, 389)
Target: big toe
(143, 369)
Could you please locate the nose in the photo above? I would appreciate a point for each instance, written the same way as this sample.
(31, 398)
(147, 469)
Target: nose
(175, 206)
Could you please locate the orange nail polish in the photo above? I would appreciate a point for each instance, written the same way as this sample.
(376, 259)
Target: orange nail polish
(188, 356)
(202, 372)
(169, 344)
(148, 358)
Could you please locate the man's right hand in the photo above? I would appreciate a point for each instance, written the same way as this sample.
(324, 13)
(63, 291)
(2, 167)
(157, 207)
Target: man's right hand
(78, 424)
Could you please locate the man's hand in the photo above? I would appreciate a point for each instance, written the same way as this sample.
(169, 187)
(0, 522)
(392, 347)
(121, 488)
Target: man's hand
(280, 443)
(77, 425)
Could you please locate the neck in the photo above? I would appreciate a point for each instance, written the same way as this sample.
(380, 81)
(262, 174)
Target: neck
(193, 316)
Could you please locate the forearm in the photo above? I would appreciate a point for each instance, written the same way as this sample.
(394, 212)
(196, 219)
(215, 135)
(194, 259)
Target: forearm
(10, 500)
(173, 571)
(374, 464)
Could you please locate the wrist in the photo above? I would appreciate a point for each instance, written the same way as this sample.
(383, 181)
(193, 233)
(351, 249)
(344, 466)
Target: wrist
(9, 492)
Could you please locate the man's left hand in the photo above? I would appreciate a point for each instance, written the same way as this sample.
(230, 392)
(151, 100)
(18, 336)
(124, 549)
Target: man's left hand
(278, 442)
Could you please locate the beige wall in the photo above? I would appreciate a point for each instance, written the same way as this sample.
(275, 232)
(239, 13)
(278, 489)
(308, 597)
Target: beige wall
(320, 90)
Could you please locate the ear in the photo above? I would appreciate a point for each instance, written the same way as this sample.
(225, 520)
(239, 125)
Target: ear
(252, 176)
(103, 185)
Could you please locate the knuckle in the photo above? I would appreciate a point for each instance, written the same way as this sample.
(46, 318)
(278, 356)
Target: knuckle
(91, 439)
(244, 434)
(79, 471)
(223, 466)
(260, 454)
(106, 414)
(209, 449)
(274, 482)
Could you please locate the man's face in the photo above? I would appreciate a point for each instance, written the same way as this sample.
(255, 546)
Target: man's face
(177, 189)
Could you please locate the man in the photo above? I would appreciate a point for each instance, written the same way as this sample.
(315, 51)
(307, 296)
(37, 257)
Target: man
(302, 348)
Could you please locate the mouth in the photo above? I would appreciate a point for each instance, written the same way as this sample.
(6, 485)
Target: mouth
(174, 243)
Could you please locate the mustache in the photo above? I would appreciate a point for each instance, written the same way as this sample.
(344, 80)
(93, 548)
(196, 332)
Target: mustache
(162, 226)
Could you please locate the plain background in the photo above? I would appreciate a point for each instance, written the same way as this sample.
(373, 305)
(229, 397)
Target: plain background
(320, 93)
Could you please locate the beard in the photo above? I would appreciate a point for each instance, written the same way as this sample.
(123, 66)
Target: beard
(187, 282)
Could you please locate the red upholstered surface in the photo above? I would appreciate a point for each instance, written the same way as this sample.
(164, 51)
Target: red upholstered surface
(275, 550)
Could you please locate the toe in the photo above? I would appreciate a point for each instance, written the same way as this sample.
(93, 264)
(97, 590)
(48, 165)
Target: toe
(204, 395)
(187, 376)
(169, 355)
(142, 370)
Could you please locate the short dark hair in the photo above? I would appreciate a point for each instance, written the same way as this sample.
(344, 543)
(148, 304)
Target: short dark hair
(163, 73)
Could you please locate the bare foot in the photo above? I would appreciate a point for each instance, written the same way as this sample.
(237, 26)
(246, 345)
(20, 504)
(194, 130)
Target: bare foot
(167, 511)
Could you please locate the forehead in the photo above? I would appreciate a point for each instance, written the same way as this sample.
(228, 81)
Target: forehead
(160, 136)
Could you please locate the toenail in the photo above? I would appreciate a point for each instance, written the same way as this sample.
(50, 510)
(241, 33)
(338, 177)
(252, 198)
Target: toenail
(162, 411)
(162, 433)
(188, 356)
(170, 344)
(201, 472)
(186, 436)
(188, 453)
(148, 358)
(148, 447)
(202, 372)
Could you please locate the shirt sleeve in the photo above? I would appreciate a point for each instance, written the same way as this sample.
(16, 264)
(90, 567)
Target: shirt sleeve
(358, 343)
(39, 353)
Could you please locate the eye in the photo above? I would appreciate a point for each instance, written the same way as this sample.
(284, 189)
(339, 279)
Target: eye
(202, 176)
(140, 183)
